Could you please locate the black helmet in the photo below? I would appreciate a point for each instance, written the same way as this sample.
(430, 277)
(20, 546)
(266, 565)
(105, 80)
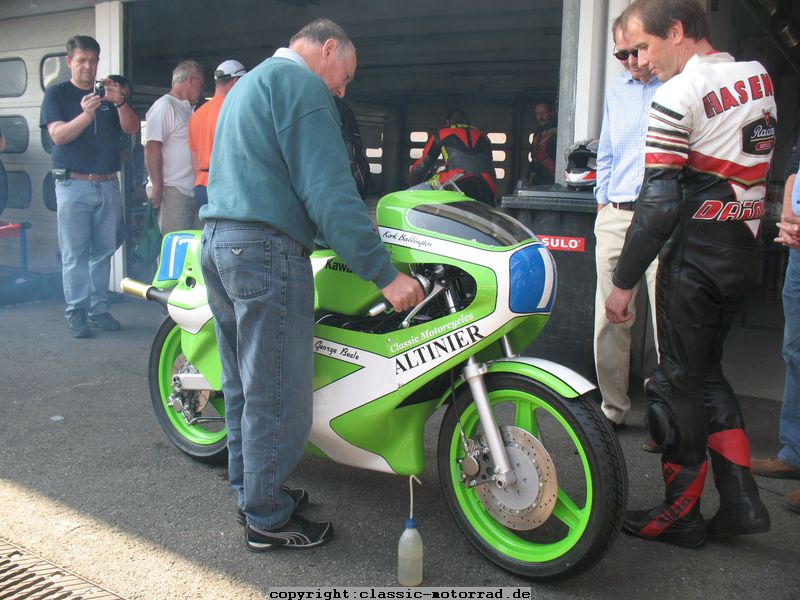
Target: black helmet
(581, 170)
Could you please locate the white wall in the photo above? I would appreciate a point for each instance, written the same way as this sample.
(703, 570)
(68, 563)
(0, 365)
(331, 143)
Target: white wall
(591, 69)
(108, 33)
(597, 68)
(31, 38)
(613, 67)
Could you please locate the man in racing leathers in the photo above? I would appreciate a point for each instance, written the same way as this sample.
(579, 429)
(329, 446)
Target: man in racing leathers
(542, 168)
(709, 144)
(467, 154)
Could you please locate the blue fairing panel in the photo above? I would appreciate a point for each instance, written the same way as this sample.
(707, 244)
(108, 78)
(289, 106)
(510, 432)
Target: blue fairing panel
(532, 280)
(173, 255)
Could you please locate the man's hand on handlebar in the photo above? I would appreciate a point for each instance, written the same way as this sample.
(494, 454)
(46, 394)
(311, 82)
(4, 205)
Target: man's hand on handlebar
(403, 293)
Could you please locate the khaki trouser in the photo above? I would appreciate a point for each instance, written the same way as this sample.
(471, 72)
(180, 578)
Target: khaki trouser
(612, 343)
(178, 211)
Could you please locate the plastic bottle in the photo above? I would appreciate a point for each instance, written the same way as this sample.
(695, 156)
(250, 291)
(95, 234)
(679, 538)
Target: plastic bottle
(409, 556)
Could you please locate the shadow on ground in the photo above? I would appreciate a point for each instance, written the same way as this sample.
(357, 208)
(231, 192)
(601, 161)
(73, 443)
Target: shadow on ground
(78, 431)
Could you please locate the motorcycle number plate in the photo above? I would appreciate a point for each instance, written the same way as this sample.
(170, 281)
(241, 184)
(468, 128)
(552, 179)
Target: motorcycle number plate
(173, 255)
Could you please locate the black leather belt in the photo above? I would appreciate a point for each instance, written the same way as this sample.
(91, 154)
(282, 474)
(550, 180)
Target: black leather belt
(92, 176)
(622, 206)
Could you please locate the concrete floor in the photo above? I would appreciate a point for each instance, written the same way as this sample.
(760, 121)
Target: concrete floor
(89, 482)
(753, 362)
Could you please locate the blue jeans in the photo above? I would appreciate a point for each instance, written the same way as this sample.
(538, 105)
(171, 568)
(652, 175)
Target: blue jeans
(790, 411)
(261, 292)
(88, 215)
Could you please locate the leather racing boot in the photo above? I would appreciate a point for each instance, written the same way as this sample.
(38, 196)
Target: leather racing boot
(740, 511)
(677, 520)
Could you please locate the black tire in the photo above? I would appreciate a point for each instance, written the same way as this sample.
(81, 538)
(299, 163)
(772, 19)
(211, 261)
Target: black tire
(204, 442)
(584, 451)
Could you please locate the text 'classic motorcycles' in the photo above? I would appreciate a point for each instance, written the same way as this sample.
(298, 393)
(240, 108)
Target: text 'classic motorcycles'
(528, 466)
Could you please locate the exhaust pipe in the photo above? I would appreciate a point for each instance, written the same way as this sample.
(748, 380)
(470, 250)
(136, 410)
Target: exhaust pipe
(145, 291)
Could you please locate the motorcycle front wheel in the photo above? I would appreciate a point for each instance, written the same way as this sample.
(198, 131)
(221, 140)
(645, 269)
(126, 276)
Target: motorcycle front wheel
(199, 431)
(572, 445)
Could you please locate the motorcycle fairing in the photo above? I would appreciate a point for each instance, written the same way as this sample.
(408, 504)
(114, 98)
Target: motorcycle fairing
(355, 413)
(563, 380)
(361, 379)
(528, 284)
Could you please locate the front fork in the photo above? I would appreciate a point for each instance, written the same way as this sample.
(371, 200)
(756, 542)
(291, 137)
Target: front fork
(504, 475)
(473, 373)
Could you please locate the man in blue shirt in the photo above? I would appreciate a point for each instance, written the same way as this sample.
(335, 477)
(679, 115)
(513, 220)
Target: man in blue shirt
(786, 465)
(86, 128)
(279, 174)
(620, 169)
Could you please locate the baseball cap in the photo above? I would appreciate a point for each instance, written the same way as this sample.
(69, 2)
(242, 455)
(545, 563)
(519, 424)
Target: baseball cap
(228, 69)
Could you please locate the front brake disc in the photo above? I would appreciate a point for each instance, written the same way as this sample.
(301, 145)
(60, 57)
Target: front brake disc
(530, 502)
(196, 400)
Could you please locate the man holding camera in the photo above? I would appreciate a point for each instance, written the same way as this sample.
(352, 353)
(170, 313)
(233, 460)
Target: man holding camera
(85, 120)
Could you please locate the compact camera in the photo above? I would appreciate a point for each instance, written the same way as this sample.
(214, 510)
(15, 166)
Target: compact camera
(99, 89)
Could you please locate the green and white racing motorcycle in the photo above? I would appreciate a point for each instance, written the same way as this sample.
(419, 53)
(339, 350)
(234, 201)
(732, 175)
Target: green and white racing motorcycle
(529, 468)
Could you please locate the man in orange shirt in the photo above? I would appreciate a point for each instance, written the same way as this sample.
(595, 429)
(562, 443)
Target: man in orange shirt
(203, 124)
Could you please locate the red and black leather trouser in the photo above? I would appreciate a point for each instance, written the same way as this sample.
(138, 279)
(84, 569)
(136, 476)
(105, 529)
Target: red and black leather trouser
(705, 271)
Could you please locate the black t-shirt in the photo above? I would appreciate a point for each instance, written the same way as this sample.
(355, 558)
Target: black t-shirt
(794, 162)
(96, 149)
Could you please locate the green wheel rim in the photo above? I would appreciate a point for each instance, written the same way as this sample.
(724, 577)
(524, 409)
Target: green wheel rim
(574, 517)
(170, 352)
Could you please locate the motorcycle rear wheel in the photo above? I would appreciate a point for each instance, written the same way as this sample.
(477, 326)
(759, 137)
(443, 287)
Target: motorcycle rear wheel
(589, 465)
(206, 442)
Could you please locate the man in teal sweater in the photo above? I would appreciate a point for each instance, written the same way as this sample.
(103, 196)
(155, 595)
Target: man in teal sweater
(279, 174)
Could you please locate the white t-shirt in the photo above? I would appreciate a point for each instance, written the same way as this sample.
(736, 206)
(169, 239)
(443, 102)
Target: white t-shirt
(168, 123)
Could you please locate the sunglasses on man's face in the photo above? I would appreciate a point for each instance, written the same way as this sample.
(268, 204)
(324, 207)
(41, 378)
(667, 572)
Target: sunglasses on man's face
(624, 54)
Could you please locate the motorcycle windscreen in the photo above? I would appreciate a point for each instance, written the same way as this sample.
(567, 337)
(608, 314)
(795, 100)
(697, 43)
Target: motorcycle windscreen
(470, 220)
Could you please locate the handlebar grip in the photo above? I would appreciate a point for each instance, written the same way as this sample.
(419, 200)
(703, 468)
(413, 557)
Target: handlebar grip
(135, 288)
(145, 291)
(383, 306)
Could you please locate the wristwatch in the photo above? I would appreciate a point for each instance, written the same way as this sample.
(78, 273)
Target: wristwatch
(123, 103)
